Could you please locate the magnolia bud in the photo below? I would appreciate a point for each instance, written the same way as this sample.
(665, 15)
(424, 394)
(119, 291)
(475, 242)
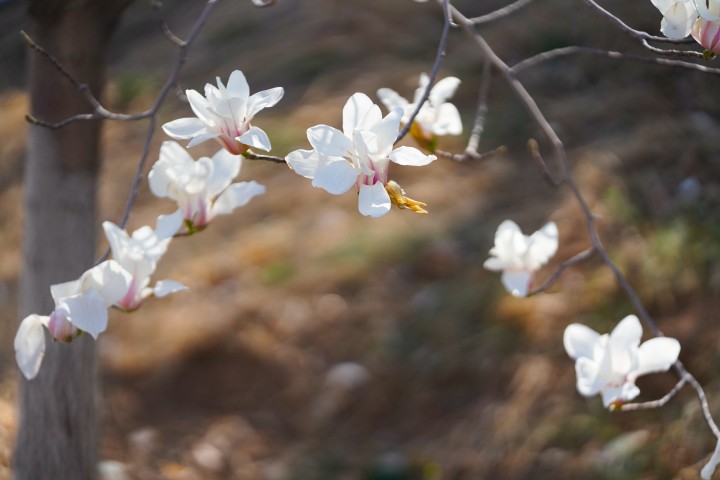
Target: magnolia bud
(707, 34)
(60, 327)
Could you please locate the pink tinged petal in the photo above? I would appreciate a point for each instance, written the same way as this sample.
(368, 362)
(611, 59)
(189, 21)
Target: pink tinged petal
(255, 138)
(411, 156)
(656, 355)
(373, 200)
(60, 327)
(336, 177)
(225, 168)
(237, 86)
(264, 99)
(448, 120)
(168, 225)
(109, 280)
(517, 282)
(203, 137)
(329, 141)
(87, 311)
(305, 162)
(542, 246)
(236, 195)
(391, 99)
(707, 471)
(164, 288)
(30, 345)
(184, 128)
(579, 341)
(387, 131)
(200, 107)
(443, 90)
(354, 111)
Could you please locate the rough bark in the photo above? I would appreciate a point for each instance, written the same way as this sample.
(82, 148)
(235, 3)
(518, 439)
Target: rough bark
(58, 424)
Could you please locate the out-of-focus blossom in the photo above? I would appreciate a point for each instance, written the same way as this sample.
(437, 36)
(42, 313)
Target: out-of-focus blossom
(224, 114)
(519, 256)
(609, 364)
(202, 188)
(678, 17)
(360, 155)
(81, 304)
(436, 117)
(139, 254)
(706, 28)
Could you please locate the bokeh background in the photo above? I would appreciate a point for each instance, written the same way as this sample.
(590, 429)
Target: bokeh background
(315, 344)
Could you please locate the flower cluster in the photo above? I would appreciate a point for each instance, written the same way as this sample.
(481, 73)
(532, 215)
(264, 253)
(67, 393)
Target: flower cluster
(701, 18)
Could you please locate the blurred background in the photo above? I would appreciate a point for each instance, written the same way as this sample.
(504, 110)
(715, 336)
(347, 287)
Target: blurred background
(316, 344)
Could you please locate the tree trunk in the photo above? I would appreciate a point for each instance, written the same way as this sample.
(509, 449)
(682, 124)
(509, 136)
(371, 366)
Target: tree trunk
(58, 424)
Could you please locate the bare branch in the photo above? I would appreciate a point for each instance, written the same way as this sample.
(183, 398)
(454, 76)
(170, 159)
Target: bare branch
(627, 407)
(164, 27)
(436, 68)
(572, 50)
(502, 12)
(574, 260)
(269, 158)
(263, 3)
(469, 155)
(534, 148)
(481, 111)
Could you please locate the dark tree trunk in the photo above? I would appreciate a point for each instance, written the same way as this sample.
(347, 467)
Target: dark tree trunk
(58, 425)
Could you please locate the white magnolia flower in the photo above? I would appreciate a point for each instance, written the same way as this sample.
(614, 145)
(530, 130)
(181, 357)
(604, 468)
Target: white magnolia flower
(81, 304)
(706, 28)
(139, 254)
(609, 364)
(201, 188)
(359, 155)
(224, 113)
(678, 17)
(519, 256)
(436, 117)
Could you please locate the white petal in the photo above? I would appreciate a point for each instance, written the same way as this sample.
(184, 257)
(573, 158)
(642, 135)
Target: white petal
(656, 355)
(184, 128)
(624, 393)
(448, 120)
(336, 177)
(200, 107)
(712, 14)
(87, 311)
(366, 146)
(542, 246)
(626, 334)
(30, 345)
(237, 86)
(168, 225)
(391, 99)
(678, 20)
(304, 162)
(261, 100)
(172, 156)
(109, 280)
(202, 137)
(510, 243)
(117, 238)
(410, 156)
(354, 111)
(517, 282)
(372, 117)
(422, 85)
(387, 131)
(166, 287)
(496, 264)
(67, 289)
(373, 201)
(226, 167)
(443, 90)
(256, 138)
(579, 340)
(329, 141)
(236, 195)
(588, 383)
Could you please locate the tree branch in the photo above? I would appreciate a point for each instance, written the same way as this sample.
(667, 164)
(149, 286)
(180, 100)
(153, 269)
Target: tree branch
(502, 12)
(574, 260)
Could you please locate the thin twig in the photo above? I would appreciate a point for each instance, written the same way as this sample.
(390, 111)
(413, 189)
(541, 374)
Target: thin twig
(627, 407)
(534, 149)
(673, 53)
(502, 12)
(164, 27)
(468, 155)
(574, 260)
(573, 50)
(481, 110)
(436, 68)
(254, 156)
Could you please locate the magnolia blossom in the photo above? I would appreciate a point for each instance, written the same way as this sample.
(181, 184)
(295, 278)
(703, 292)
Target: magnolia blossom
(519, 256)
(201, 188)
(224, 113)
(609, 364)
(436, 116)
(359, 155)
(706, 28)
(79, 305)
(139, 254)
(678, 17)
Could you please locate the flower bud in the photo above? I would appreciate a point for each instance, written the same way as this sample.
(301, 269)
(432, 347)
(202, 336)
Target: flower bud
(60, 327)
(707, 34)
